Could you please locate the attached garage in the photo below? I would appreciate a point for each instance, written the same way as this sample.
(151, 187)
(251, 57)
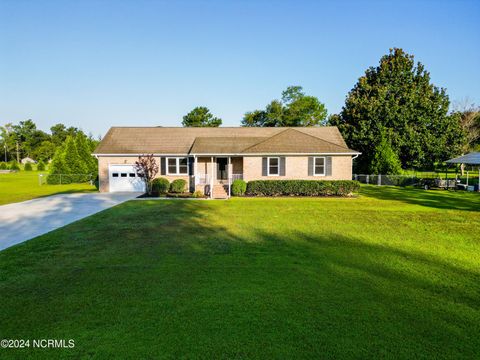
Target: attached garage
(124, 178)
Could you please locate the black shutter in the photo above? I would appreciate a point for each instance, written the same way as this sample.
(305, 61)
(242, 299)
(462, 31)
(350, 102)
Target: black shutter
(191, 162)
(282, 166)
(163, 167)
(328, 171)
(310, 166)
(264, 167)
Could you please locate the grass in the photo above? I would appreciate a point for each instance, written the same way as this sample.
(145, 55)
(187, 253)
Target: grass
(24, 185)
(394, 273)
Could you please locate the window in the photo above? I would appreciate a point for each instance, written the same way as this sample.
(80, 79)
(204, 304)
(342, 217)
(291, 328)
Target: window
(177, 166)
(131, 174)
(273, 166)
(182, 166)
(319, 166)
(172, 165)
(123, 174)
(115, 174)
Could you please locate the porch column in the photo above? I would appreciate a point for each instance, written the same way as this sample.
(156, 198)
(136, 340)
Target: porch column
(211, 177)
(229, 174)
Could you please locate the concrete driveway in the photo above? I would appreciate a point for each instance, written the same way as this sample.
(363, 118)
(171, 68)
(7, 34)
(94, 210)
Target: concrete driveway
(25, 220)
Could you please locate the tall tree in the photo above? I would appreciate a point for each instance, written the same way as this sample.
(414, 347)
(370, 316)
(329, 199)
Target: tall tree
(469, 116)
(398, 100)
(295, 109)
(201, 117)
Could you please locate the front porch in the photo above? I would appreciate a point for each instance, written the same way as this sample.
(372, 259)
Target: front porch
(214, 173)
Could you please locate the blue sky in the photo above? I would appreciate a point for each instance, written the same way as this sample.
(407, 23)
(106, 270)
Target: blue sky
(95, 64)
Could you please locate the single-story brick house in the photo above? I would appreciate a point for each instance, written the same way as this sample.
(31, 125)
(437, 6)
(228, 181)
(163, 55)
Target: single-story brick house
(211, 158)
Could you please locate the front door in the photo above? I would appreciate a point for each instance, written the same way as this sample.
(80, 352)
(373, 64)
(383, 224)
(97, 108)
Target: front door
(222, 170)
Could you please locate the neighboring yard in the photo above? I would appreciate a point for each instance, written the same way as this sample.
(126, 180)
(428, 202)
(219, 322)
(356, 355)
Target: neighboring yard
(392, 274)
(24, 185)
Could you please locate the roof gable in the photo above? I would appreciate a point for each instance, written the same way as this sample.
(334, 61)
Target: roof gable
(292, 141)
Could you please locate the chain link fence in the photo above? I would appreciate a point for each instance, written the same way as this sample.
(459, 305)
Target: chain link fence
(61, 179)
(392, 180)
(433, 180)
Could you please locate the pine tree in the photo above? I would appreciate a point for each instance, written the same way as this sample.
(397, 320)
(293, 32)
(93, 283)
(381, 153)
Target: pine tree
(83, 149)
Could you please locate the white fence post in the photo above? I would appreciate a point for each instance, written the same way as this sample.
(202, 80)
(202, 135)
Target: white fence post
(368, 179)
(379, 180)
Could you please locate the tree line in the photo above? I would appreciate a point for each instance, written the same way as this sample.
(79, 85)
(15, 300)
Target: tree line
(393, 115)
(26, 140)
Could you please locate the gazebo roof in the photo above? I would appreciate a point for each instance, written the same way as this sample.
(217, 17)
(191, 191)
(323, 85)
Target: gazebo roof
(472, 158)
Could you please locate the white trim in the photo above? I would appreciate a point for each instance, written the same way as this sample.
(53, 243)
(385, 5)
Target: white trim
(268, 165)
(275, 154)
(177, 166)
(229, 154)
(315, 165)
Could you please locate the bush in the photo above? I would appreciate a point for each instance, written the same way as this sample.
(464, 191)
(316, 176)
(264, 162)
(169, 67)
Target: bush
(239, 187)
(302, 187)
(160, 186)
(41, 166)
(14, 166)
(28, 167)
(3, 166)
(178, 186)
(198, 194)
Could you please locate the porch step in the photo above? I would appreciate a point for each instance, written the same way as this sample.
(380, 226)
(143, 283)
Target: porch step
(219, 192)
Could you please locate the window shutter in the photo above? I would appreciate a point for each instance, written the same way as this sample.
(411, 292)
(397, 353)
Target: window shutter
(264, 166)
(310, 166)
(191, 162)
(282, 166)
(328, 170)
(163, 167)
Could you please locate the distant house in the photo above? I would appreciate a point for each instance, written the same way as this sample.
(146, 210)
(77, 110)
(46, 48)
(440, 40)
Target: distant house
(211, 158)
(27, 160)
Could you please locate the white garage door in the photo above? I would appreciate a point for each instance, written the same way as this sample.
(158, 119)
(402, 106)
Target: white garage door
(124, 178)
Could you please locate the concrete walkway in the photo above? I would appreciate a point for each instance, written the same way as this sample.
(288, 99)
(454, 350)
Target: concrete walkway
(25, 220)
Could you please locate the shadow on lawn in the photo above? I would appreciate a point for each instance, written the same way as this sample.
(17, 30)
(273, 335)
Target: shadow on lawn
(175, 276)
(440, 199)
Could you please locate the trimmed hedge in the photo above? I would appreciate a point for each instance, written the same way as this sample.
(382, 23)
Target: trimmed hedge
(160, 186)
(178, 186)
(302, 187)
(28, 167)
(239, 187)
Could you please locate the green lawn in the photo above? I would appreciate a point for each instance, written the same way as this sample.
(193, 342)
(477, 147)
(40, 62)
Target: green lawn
(392, 274)
(24, 185)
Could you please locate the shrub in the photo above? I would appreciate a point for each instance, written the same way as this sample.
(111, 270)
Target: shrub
(28, 167)
(239, 187)
(160, 186)
(198, 194)
(3, 166)
(14, 166)
(302, 187)
(178, 186)
(41, 166)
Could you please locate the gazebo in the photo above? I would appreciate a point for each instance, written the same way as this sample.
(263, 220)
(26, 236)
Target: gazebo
(472, 158)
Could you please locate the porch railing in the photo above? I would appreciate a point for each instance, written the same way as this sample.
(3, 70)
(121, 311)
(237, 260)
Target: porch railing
(236, 177)
(203, 179)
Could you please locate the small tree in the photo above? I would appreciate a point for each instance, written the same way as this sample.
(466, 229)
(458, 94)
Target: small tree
(146, 166)
(385, 160)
